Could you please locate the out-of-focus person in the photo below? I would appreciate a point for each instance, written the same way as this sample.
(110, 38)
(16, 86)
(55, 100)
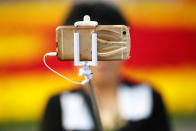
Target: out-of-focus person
(124, 105)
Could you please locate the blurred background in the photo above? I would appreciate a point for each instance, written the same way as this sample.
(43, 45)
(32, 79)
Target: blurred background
(163, 54)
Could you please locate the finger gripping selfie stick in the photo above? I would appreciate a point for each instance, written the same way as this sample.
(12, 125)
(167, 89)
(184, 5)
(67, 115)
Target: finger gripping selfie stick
(86, 71)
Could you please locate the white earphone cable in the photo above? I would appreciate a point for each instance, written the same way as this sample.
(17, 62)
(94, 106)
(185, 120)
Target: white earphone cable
(54, 54)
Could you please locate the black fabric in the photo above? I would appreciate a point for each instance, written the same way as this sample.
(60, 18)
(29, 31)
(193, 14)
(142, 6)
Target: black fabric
(103, 13)
(158, 121)
(159, 116)
(52, 116)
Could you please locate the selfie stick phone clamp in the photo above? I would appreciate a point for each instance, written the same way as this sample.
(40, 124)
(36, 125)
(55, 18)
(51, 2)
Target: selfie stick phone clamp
(86, 70)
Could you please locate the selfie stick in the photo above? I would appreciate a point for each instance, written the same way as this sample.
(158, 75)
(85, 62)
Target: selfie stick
(86, 71)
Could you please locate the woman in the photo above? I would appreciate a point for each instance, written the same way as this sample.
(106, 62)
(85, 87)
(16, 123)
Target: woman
(124, 106)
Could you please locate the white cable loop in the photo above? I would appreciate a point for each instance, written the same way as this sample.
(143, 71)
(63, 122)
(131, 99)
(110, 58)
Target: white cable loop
(79, 83)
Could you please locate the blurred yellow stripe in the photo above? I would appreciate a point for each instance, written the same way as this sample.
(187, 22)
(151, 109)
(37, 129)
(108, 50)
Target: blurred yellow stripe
(160, 14)
(31, 14)
(176, 84)
(155, 14)
(20, 48)
(24, 96)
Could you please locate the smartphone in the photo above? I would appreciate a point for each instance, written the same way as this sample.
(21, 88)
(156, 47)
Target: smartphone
(113, 42)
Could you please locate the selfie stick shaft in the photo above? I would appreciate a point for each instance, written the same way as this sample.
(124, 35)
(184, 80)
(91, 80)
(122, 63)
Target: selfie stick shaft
(95, 107)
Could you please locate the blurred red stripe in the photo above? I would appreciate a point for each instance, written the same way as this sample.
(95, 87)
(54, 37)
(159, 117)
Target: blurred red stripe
(150, 48)
(155, 47)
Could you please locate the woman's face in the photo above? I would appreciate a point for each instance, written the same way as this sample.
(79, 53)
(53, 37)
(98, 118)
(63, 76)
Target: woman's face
(106, 71)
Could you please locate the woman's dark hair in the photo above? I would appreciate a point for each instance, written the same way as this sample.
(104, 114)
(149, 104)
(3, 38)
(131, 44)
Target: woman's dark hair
(103, 13)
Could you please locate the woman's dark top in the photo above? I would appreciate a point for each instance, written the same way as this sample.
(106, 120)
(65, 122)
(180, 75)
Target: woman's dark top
(155, 119)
